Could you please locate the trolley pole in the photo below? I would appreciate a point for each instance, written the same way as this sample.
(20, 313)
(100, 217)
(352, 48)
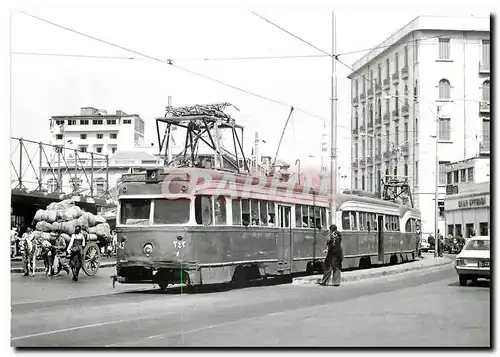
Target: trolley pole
(333, 127)
(436, 237)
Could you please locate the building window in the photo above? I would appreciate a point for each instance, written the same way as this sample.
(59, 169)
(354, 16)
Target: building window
(416, 173)
(113, 149)
(71, 122)
(441, 209)
(483, 228)
(463, 175)
(387, 138)
(444, 89)
(442, 172)
(127, 121)
(406, 169)
(356, 120)
(395, 167)
(396, 135)
(415, 46)
(486, 91)
(379, 109)
(486, 130)
(416, 130)
(370, 182)
(370, 113)
(97, 122)
(363, 177)
(99, 135)
(355, 180)
(449, 179)
(396, 62)
(82, 148)
(99, 186)
(406, 139)
(59, 136)
(379, 72)
(458, 230)
(98, 149)
(363, 116)
(52, 185)
(356, 150)
(113, 135)
(455, 176)
(83, 136)
(387, 69)
(444, 129)
(363, 87)
(75, 183)
(444, 48)
(415, 91)
(363, 148)
(470, 174)
(485, 51)
(396, 102)
(111, 121)
(59, 122)
(356, 87)
(84, 122)
(405, 56)
(371, 79)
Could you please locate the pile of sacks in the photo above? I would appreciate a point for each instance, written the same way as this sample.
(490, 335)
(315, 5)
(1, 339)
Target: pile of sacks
(61, 218)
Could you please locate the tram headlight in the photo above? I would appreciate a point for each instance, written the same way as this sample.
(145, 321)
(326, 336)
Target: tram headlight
(147, 249)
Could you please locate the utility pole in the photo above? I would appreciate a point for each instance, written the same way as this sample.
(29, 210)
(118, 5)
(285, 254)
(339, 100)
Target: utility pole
(333, 148)
(169, 140)
(436, 236)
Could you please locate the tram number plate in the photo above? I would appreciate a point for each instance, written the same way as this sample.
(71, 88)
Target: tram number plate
(178, 244)
(483, 263)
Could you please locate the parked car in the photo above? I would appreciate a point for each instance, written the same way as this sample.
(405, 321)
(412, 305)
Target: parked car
(424, 245)
(473, 261)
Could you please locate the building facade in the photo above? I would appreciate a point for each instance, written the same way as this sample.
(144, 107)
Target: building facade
(467, 202)
(434, 67)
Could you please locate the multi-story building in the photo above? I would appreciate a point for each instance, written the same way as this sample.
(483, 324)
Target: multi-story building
(94, 130)
(434, 67)
(467, 202)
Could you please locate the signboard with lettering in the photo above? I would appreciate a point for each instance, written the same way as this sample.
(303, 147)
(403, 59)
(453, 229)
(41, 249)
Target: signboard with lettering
(467, 203)
(472, 202)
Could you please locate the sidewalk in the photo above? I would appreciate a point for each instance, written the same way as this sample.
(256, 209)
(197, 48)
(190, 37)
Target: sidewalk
(16, 265)
(428, 261)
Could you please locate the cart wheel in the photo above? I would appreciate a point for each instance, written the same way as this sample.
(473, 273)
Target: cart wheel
(91, 259)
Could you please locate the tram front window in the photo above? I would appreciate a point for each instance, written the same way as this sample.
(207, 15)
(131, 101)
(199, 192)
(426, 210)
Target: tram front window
(171, 211)
(135, 212)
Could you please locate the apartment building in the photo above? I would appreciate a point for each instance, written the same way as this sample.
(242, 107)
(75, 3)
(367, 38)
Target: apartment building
(432, 68)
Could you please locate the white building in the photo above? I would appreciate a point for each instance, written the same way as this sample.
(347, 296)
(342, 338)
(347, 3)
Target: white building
(93, 130)
(467, 202)
(397, 88)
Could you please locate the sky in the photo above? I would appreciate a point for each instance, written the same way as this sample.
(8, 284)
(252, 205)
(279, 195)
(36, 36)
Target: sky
(44, 85)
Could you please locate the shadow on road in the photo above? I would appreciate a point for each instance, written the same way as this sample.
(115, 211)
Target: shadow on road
(477, 283)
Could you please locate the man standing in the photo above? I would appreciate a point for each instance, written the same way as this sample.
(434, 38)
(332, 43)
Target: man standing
(333, 260)
(27, 251)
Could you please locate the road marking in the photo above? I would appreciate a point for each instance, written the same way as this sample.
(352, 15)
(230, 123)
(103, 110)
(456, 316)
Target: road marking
(88, 326)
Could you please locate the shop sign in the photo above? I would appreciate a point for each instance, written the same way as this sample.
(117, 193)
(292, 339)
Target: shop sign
(472, 202)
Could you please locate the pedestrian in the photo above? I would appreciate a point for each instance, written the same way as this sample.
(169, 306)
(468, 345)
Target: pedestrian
(75, 250)
(60, 261)
(440, 243)
(27, 251)
(13, 237)
(333, 260)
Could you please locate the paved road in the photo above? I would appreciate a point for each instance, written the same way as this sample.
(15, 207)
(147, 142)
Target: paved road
(423, 308)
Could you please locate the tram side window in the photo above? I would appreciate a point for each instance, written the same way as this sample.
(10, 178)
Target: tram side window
(236, 205)
(408, 226)
(263, 213)
(254, 206)
(354, 221)
(271, 222)
(298, 216)
(135, 212)
(346, 222)
(203, 210)
(220, 210)
(317, 218)
(171, 211)
(396, 224)
(324, 223)
(362, 221)
(305, 216)
(245, 212)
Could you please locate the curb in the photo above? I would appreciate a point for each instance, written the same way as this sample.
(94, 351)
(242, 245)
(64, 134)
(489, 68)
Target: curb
(42, 269)
(368, 275)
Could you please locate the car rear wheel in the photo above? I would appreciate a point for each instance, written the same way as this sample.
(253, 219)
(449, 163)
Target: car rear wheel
(462, 279)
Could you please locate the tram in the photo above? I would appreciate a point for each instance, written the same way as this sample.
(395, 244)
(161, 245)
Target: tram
(200, 226)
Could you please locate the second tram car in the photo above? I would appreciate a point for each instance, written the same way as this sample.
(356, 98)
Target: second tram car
(200, 226)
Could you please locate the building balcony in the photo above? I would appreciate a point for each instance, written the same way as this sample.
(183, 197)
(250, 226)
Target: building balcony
(370, 92)
(362, 162)
(362, 97)
(484, 107)
(405, 72)
(354, 131)
(387, 84)
(355, 101)
(395, 114)
(405, 110)
(387, 155)
(378, 158)
(484, 147)
(354, 163)
(484, 68)
(378, 121)
(395, 78)
(378, 87)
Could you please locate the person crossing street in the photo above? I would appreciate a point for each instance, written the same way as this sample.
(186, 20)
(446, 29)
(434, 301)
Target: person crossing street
(333, 260)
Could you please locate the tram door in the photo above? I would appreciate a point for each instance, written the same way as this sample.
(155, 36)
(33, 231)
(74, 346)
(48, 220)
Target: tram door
(380, 223)
(285, 241)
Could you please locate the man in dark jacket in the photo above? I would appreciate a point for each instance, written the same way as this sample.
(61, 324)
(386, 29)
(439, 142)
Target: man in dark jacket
(333, 260)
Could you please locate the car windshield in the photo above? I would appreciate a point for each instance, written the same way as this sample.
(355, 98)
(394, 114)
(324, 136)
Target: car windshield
(477, 244)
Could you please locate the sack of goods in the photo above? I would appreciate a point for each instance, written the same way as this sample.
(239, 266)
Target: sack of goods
(61, 218)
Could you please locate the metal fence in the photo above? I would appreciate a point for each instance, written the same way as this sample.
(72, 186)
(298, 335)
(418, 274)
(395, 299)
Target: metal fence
(42, 167)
